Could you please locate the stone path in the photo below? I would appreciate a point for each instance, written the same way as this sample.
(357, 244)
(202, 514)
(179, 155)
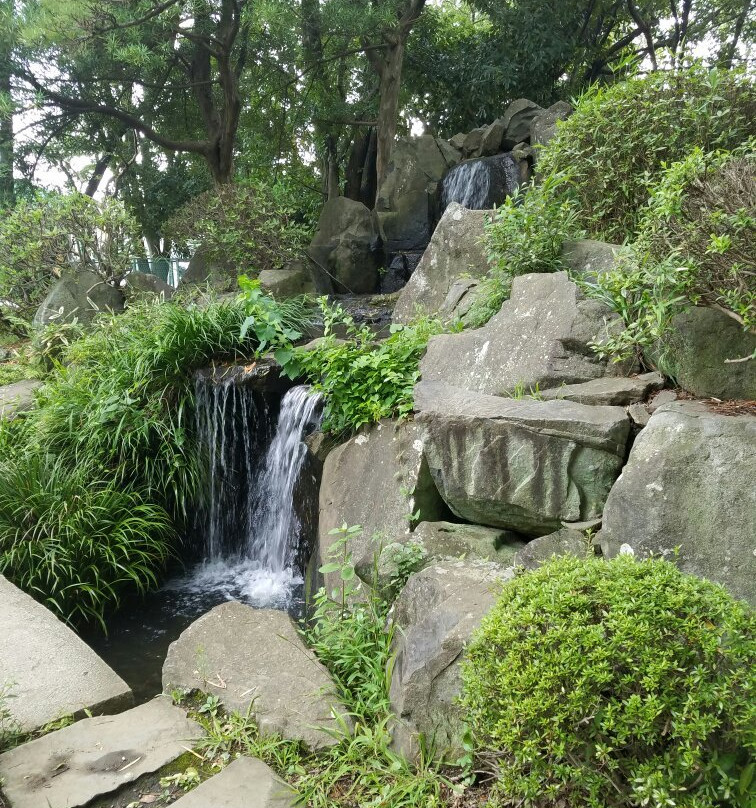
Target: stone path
(96, 756)
(48, 671)
(246, 783)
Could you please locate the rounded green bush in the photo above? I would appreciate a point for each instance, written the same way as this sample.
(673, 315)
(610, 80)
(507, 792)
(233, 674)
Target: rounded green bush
(620, 137)
(619, 683)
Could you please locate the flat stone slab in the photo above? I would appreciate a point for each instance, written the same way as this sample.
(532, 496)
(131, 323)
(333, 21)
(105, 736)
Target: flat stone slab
(254, 659)
(49, 670)
(608, 391)
(96, 756)
(17, 397)
(245, 783)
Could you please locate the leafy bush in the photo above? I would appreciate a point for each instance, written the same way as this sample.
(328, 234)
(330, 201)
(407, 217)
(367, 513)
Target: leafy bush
(619, 683)
(525, 236)
(40, 239)
(250, 226)
(363, 380)
(696, 246)
(74, 540)
(621, 136)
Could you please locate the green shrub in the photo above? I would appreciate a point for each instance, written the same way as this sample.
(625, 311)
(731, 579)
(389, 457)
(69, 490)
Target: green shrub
(696, 246)
(40, 238)
(363, 380)
(249, 226)
(526, 235)
(619, 683)
(76, 541)
(621, 136)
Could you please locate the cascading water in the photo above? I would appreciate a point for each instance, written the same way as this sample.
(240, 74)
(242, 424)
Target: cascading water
(253, 530)
(480, 184)
(251, 523)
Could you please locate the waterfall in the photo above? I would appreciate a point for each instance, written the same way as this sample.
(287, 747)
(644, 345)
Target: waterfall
(480, 184)
(250, 524)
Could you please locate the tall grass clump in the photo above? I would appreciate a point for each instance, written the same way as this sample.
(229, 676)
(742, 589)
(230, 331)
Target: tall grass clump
(600, 684)
(75, 541)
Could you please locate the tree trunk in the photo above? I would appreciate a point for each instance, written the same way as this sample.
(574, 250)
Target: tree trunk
(388, 108)
(729, 51)
(7, 187)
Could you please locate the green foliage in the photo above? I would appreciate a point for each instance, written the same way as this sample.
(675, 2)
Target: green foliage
(10, 730)
(526, 235)
(696, 246)
(42, 238)
(620, 137)
(363, 380)
(249, 226)
(618, 683)
(74, 540)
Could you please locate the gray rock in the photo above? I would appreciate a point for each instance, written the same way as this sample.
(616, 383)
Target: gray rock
(539, 339)
(399, 271)
(473, 142)
(517, 120)
(612, 391)
(143, 286)
(543, 127)
(96, 756)
(491, 138)
(688, 484)
(587, 258)
(457, 142)
(456, 249)
(435, 541)
(523, 465)
(695, 349)
(50, 671)
(205, 268)
(385, 460)
(639, 414)
(460, 299)
(17, 397)
(406, 205)
(81, 295)
(660, 399)
(564, 542)
(292, 281)
(254, 659)
(245, 783)
(436, 613)
(454, 540)
(346, 246)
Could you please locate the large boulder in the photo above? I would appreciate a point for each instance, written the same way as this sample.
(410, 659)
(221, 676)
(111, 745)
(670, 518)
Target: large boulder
(49, 670)
(687, 493)
(483, 183)
(143, 286)
(616, 391)
(539, 339)
(543, 126)
(80, 294)
(563, 542)
(588, 258)
(17, 397)
(695, 353)
(407, 201)
(517, 120)
(378, 480)
(291, 281)
(346, 246)
(456, 249)
(206, 268)
(523, 465)
(436, 613)
(255, 660)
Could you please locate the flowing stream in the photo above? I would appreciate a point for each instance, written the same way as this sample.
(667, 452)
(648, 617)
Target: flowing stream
(249, 532)
(482, 183)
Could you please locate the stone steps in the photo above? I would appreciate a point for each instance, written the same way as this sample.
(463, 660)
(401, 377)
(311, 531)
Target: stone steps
(95, 756)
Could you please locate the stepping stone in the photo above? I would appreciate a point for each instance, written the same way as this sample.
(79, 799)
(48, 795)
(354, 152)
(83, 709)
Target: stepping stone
(49, 670)
(96, 756)
(255, 660)
(245, 783)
